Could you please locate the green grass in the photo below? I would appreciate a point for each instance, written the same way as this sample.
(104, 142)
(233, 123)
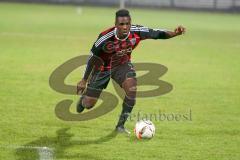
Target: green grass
(203, 67)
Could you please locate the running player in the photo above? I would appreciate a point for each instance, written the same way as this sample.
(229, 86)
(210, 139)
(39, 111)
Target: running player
(111, 58)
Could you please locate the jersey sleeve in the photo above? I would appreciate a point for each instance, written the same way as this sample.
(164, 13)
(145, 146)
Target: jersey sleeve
(95, 51)
(97, 46)
(94, 59)
(149, 33)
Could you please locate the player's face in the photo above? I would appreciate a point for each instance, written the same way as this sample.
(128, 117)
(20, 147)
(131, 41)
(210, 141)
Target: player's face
(123, 25)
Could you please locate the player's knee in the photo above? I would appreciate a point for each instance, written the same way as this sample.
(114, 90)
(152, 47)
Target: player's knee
(131, 91)
(89, 102)
(130, 87)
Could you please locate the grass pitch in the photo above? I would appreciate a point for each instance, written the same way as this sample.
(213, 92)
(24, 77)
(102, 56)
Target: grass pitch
(203, 66)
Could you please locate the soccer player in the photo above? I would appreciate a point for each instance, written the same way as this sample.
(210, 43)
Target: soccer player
(111, 58)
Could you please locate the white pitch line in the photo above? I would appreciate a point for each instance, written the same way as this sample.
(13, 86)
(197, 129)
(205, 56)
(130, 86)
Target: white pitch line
(45, 153)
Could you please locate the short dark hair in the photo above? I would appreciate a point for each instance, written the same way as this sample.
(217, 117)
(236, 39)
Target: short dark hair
(122, 13)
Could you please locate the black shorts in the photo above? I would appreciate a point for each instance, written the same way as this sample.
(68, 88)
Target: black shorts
(100, 79)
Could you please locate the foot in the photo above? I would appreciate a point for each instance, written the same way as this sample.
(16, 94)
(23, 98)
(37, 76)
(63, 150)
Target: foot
(122, 129)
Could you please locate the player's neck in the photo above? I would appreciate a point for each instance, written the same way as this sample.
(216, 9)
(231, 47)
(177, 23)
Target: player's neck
(120, 37)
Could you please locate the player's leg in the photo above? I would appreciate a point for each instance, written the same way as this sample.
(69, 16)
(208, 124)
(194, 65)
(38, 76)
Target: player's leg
(130, 88)
(97, 83)
(86, 102)
(125, 76)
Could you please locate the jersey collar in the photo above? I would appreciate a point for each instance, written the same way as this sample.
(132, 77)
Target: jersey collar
(115, 33)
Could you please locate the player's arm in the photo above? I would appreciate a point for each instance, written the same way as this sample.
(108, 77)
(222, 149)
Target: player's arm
(178, 31)
(82, 83)
(148, 33)
(93, 61)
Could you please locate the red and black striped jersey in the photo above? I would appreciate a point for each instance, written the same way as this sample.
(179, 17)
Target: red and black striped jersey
(114, 51)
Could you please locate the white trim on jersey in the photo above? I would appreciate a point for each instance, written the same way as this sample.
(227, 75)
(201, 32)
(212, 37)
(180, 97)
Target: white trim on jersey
(139, 30)
(163, 30)
(115, 33)
(143, 29)
(90, 56)
(103, 38)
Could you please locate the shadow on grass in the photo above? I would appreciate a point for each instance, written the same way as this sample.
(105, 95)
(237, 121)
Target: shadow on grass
(58, 144)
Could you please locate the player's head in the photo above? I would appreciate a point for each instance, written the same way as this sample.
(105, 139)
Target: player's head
(123, 22)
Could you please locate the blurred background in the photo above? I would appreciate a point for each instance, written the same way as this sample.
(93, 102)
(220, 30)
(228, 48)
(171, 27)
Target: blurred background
(220, 5)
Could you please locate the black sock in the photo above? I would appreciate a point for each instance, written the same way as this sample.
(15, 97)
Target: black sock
(127, 107)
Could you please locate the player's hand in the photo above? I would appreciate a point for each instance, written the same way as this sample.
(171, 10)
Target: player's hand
(180, 30)
(81, 86)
